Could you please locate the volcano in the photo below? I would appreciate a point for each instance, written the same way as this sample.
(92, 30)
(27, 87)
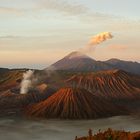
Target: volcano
(77, 61)
(11, 104)
(73, 103)
(108, 84)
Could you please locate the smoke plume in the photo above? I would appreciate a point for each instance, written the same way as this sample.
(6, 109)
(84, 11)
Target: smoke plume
(95, 40)
(100, 38)
(26, 83)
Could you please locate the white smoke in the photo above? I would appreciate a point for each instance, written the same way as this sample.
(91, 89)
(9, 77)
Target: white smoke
(26, 83)
(95, 40)
(99, 38)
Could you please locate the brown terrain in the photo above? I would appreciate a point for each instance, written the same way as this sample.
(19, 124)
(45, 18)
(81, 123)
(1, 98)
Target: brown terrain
(71, 95)
(12, 104)
(10, 79)
(11, 101)
(73, 103)
(108, 84)
(111, 135)
(79, 62)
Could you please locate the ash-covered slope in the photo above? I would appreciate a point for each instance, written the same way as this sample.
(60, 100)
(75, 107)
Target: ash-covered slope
(77, 61)
(113, 83)
(69, 103)
(12, 104)
(129, 66)
(10, 79)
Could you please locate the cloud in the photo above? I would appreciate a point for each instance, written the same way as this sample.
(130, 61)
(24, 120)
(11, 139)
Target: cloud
(9, 37)
(82, 12)
(7, 10)
(63, 6)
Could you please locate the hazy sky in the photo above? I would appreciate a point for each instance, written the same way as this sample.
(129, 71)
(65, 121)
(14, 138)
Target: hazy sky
(36, 33)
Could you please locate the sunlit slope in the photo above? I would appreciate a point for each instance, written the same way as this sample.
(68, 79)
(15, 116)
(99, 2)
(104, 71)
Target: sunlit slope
(112, 83)
(71, 103)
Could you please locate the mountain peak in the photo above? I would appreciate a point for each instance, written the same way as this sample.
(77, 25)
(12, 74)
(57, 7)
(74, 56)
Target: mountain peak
(78, 61)
(114, 59)
(76, 54)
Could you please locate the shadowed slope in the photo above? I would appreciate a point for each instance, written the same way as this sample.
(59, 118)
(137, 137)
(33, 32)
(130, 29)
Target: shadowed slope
(69, 103)
(3, 70)
(77, 61)
(12, 104)
(129, 66)
(80, 62)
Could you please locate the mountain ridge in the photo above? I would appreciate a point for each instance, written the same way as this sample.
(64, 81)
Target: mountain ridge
(111, 83)
(77, 61)
(82, 62)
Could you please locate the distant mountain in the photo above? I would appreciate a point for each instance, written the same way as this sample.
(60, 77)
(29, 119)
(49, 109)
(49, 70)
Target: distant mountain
(129, 66)
(73, 103)
(79, 62)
